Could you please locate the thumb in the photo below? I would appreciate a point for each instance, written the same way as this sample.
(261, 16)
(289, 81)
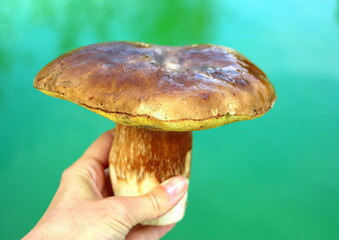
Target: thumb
(156, 202)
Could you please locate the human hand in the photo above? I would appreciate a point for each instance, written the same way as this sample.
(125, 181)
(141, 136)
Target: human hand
(84, 208)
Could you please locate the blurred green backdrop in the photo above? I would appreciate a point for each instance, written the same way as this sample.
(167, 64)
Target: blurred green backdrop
(276, 177)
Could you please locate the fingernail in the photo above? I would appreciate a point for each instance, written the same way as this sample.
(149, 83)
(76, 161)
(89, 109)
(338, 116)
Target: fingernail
(175, 185)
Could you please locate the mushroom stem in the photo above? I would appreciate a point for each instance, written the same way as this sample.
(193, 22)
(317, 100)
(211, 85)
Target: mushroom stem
(140, 159)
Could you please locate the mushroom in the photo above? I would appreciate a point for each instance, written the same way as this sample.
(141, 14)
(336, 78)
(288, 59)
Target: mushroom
(157, 95)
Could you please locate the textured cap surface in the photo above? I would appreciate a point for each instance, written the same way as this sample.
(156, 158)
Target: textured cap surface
(185, 88)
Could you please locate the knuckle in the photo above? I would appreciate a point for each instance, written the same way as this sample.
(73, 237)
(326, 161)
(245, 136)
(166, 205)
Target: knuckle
(124, 217)
(116, 223)
(119, 206)
(66, 173)
(154, 200)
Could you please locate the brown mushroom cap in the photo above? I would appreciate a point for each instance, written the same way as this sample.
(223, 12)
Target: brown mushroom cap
(185, 88)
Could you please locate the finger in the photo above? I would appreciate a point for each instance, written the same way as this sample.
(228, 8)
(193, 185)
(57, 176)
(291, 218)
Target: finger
(89, 169)
(149, 232)
(155, 203)
(99, 150)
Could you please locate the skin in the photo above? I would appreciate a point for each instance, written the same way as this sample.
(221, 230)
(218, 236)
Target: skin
(84, 208)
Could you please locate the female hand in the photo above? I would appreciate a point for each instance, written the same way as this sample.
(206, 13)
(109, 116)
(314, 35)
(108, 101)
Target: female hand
(84, 208)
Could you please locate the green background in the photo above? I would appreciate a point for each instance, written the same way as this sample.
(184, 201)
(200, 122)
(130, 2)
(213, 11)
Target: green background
(276, 177)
